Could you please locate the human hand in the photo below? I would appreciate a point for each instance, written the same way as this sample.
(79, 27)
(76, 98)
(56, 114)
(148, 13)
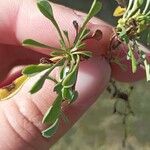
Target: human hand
(21, 115)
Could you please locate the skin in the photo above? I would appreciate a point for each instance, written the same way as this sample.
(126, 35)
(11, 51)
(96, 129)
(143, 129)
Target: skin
(21, 115)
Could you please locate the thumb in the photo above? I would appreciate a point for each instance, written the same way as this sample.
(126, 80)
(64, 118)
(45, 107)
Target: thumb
(28, 22)
(21, 116)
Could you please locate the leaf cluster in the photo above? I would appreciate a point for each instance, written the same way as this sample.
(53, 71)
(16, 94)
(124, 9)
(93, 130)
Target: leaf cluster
(135, 20)
(67, 58)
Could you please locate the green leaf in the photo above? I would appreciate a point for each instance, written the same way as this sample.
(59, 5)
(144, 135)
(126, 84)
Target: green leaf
(58, 87)
(32, 70)
(123, 35)
(62, 44)
(81, 46)
(139, 3)
(39, 84)
(45, 8)
(69, 95)
(75, 96)
(146, 9)
(133, 60)
(148, 38)
(31, 42)
(67, 36)
(84, 53)
(53, 112)
(86, 33)
(64, 70)
(71, 77)
(147, 68)
(70, 80)
(95, 8)
(57, 53)
(49, 132)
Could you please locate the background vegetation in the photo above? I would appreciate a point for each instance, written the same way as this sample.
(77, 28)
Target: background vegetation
(99, 128)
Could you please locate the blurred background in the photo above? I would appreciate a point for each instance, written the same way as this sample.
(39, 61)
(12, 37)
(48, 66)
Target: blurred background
(99, 128)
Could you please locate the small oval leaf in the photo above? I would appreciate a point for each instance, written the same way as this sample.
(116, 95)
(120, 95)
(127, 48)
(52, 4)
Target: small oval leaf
(57, 53)
(70, 79)
(67, 94)
(45, 8)
(49, 132)
(39, 84)
(34, 69)
(31, 42)
(54, 111)
(95, 8)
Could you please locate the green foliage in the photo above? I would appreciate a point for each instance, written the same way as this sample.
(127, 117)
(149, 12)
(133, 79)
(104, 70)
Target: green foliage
(39, 84)
(53, 112)
(67, 58)
(35, 69)
(30, 42)
(45, 9)
(133, 60)
(130, 28)
(49, 132)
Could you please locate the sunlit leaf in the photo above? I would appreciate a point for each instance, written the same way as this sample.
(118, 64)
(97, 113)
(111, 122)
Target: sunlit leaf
(64, 71)
(57, 53)
(58, 87)
(34, 69)
(66, 35)
(133, 60)
(45, 8)
(140, 2)
(51, 130)
(84, 53)
(85, 34)
(71, 78)
(119, 11)
(62, 44)
(81, 46)
(67, 93)
(31, 42)
(39, 84)
(123, 35)
(95, 8)
(53, 112)
(147, 68)
(74, 97)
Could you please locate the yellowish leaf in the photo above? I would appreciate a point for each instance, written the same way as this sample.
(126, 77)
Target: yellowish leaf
(119, 11)
(13, 88)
